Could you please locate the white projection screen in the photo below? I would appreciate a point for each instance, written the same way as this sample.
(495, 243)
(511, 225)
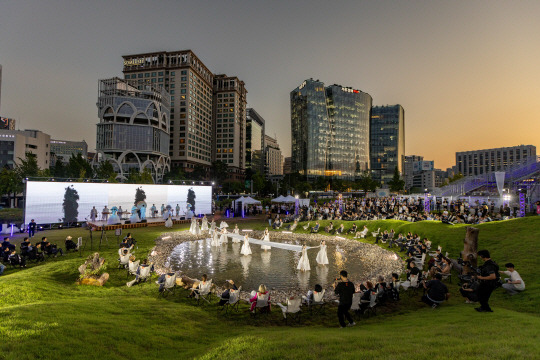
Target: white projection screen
(45, 200)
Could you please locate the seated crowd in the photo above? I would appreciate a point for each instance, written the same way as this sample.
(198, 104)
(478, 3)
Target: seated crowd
(28, 252)
(400, 208)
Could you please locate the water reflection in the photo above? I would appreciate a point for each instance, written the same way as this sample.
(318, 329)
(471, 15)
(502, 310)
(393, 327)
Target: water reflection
(275, 268)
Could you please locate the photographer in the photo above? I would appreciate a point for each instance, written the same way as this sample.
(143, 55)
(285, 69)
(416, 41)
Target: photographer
(345, 290)
(489, 277)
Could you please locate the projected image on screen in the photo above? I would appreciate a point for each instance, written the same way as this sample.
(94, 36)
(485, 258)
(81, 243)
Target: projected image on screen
(61, 202)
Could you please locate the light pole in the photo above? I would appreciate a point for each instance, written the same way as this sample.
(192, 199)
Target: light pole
(296, 205)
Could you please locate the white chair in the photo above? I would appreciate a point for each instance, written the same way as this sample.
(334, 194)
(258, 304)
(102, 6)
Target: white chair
(123, 261)
(306, 226)
(361, 234)
(233, 301)
(372, 303)
(203, 292)
(169, 286)
(375, 233)
(292, 309)
(132, 267)
(356, 301)
(419, 261)
(261, 304)
(145, 273)
(412, 282)
(317, 302)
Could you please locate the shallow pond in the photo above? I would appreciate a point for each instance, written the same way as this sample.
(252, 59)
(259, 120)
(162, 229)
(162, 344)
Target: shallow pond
(276, 268)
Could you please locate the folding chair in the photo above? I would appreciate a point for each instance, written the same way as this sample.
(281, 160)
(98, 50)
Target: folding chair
(419, 261)
(372, 304)
(356, 302)
(292, 309)
(361, 234)
(317, 303)
(233, 301)
(145, 273)
(123, 261)
(132, 268)
(168, 286)
(262, 304)
(375, 233)
(448, 275)
(203, 292)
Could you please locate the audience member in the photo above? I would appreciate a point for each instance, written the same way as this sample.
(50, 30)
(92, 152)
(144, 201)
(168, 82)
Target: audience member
(514, 283)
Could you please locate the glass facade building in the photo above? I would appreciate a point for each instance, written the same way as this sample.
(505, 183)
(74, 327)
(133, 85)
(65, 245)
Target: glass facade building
(387, 141)
(330, 130)
(255, 141)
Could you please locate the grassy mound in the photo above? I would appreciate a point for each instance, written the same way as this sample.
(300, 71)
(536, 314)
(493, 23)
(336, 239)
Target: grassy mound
(45, 315)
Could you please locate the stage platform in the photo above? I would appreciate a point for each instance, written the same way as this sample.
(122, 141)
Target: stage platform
(102, 225)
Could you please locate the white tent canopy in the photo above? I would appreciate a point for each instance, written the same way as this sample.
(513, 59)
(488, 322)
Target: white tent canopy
(249, 200)
(278, 199)
(289, 199)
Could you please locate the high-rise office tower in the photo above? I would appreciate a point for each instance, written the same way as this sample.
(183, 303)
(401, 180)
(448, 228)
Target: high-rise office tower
(133, 131)
(229, 144)
(330, 130)
(387, 141)
(193, 115)
(274, 158)
(255, 132)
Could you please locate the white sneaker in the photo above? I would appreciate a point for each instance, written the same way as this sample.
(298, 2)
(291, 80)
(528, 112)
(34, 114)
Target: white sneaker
(351, 324)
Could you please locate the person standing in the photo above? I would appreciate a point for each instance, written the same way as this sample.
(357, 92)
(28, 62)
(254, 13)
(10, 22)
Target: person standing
(489, 276)
(32, 228)
(345, 290)
(153, 211)
(177, 210)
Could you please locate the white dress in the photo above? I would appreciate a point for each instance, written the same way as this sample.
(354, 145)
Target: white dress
(212, 227)
(236, 239)
(134, 215)
(197, 229)
(204, 226)
(168, 222)
(322, 257)
(266, 238)
(192, 227)
(223, 239)
(215, 239)
(303, 264)
(236, 230)
(246, 249)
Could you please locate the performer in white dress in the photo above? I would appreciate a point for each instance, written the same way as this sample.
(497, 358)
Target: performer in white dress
(134, 215)
(192, 226)
(113, 219)
(303, 264)
(223, 239)
(204, 226)
(266, 237)
(168, 222)
(236, 229)
(215, 239)
(322, 257)
(246, 249)
(197, 228)
(212, 227)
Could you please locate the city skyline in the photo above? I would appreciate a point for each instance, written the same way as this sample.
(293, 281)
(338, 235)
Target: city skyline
(465, 73)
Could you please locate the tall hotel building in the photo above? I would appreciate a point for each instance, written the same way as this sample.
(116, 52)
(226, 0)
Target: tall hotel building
(387, 141)
(200, 101)
(330, 130)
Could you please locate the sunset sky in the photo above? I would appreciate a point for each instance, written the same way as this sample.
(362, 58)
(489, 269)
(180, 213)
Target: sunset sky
(466, 72)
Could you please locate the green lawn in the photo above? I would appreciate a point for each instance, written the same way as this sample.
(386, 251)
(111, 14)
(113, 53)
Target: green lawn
(46, 316)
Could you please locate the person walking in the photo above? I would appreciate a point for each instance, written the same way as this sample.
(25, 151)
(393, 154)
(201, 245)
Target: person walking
(345, 290)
